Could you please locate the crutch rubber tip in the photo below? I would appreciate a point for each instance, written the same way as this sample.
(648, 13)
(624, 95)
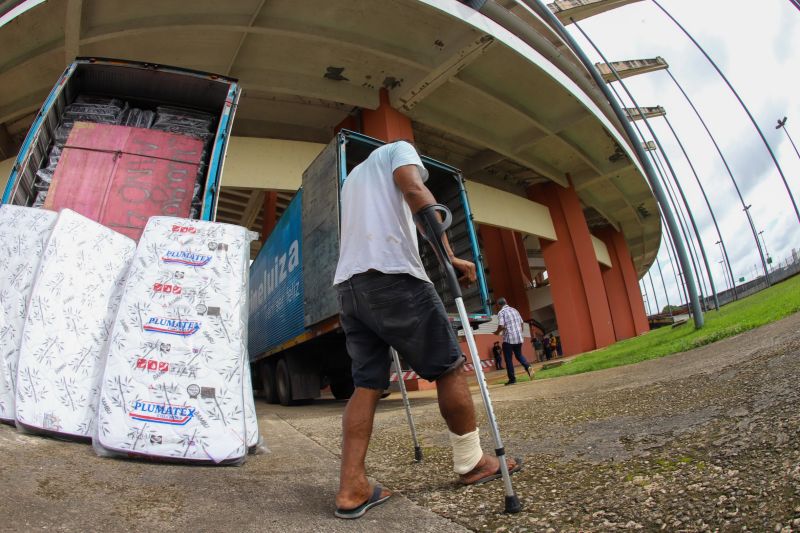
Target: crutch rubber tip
(418, 454)
(513, 504)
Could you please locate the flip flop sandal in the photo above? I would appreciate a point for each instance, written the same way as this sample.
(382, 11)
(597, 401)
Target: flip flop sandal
(361, 510)
(498, 474)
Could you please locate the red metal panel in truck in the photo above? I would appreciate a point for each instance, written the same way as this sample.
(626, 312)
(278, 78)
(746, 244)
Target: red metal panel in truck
(121, 176)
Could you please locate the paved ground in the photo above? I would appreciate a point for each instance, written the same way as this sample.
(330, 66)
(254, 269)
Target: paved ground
(59, 486)
(704, 440)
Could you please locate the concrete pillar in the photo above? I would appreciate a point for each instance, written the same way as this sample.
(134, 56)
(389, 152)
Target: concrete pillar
(386, 123)
(622, 287)
(504, 253)
(579, 295)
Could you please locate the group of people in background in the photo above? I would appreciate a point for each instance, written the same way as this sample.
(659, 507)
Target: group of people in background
(547, 347)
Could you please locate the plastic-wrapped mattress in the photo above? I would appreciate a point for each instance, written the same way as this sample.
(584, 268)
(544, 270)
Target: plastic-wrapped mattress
(70, 314)
(176, 383)
(23, 235)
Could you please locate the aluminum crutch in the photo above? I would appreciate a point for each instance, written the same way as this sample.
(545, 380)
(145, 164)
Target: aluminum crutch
(407, 404)
(432, 228)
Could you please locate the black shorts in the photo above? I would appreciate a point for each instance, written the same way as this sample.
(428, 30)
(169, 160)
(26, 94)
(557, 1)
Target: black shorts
(382, 310)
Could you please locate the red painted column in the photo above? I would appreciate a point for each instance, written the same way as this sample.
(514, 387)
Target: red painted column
(386, 123)
(501, 249)
(270, 213)
(350, 122)
(628, 295)
(616, 291)
(576, 284)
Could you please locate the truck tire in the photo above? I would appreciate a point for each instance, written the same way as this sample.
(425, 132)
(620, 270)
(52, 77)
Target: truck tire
(269, 386)
(283, 382)
(342, 386)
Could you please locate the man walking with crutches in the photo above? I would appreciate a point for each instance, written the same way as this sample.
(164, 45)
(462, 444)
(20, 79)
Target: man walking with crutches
(388, 301)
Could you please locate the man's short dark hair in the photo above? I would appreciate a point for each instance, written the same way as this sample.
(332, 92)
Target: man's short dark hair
(501, 302)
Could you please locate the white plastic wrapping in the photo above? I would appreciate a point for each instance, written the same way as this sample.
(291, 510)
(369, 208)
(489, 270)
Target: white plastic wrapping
(175, 384)
(71, 310)
(23, 236)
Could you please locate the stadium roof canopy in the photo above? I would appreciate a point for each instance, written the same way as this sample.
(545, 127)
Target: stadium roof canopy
(511, 109)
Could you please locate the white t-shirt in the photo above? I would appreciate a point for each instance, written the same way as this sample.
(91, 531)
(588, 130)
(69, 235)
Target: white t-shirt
(378, 230)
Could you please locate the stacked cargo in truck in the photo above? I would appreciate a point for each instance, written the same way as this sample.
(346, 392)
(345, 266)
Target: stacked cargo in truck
(121, 141)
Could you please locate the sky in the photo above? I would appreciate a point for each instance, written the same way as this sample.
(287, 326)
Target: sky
(755, 43)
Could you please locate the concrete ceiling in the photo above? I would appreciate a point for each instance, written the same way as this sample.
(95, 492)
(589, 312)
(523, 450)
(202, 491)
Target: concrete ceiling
(479, 98)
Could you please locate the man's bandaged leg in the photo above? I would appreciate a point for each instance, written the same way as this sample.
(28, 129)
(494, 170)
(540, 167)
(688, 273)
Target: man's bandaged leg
(466, 451)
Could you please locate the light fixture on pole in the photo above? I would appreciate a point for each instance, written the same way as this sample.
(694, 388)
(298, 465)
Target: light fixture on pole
(544, 12)
(782, 126)
(741, 102)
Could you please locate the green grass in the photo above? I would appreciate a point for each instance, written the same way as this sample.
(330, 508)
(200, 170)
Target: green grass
(767, 306)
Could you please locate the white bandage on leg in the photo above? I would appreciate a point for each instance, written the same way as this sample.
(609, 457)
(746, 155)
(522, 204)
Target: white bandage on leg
(466, 451)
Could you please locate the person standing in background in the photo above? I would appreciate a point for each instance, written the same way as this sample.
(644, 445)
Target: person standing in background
(537, 348)
(497, 352)
(509, 324)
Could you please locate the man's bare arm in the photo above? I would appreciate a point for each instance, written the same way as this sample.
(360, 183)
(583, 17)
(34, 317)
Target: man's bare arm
(417, 196)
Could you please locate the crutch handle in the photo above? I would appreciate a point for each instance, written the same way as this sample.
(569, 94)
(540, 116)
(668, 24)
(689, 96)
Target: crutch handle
(432, 229)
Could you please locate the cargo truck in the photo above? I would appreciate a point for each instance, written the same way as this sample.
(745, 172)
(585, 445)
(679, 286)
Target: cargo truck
(296, 344)
(119, 141)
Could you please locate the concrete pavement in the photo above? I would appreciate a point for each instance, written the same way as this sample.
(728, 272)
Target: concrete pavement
(62, 486)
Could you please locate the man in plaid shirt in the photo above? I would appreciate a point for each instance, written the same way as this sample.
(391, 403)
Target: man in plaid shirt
(509, 323)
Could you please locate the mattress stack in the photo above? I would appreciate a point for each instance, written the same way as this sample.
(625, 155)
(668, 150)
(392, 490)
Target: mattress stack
(23, 237)
(70, 313)
(176, 382)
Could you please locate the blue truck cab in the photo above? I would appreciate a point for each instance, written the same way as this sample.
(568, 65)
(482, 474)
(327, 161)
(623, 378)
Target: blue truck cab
(295, 342)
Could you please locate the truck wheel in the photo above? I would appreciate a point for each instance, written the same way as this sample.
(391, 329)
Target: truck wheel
(284, 383)
(267, 371)
(342, 387)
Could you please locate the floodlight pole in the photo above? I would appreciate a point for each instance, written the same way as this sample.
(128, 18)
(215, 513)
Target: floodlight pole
(643, 286)
(691, 217)
(708, 204)
(730, 173)
(741, 102)
(730, 270)
(670, 246)
(764, 240)
(655, 296)
(544, 12)
(687, 235)
(722, 263)
(663, 284)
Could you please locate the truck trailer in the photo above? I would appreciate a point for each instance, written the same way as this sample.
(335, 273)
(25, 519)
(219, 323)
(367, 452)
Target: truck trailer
(295, 341)
(119, 141)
